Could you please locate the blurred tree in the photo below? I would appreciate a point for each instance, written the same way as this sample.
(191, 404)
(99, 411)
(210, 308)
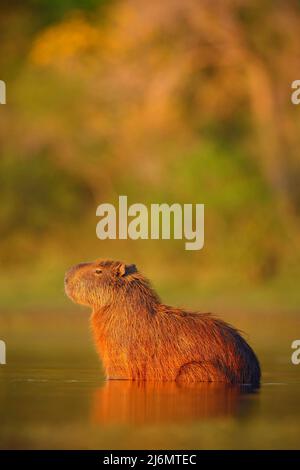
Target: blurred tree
(170, 69)
(170, 100)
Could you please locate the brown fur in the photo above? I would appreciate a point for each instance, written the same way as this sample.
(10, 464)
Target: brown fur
(139, 338)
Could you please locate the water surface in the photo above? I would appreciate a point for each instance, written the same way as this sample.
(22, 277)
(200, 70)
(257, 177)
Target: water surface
(53, 395)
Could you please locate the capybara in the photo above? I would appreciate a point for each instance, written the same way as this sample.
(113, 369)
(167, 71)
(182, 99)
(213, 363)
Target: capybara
(140, 338)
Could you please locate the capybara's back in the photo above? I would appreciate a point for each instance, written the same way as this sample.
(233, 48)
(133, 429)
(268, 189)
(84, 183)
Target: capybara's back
(139, 338)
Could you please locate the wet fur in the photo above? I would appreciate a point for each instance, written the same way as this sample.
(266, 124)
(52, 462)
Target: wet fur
(139, 338)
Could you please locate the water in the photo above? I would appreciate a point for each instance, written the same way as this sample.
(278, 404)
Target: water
(53, 395)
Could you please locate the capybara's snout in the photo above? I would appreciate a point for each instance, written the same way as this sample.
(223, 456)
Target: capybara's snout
(72, 279)
(74, 271)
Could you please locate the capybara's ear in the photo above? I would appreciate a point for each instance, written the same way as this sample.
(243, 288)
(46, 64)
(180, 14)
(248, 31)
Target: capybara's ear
(130, 269)
(123, 269)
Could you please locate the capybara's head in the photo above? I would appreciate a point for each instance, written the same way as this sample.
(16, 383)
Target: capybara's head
(104, 282)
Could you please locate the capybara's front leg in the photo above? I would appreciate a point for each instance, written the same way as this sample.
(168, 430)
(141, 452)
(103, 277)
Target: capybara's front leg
(202, 372)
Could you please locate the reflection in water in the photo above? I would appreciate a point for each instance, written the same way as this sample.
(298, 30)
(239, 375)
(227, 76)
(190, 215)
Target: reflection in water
(52, 397)
(127, 402)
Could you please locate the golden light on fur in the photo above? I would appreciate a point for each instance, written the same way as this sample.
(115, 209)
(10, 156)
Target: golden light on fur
(139, 338)
(158, 403)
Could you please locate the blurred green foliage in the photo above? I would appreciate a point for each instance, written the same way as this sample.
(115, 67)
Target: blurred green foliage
(45, 198)
(164, 102)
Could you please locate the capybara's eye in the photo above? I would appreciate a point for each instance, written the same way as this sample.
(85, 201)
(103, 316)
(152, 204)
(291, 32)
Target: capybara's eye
(98, 271)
